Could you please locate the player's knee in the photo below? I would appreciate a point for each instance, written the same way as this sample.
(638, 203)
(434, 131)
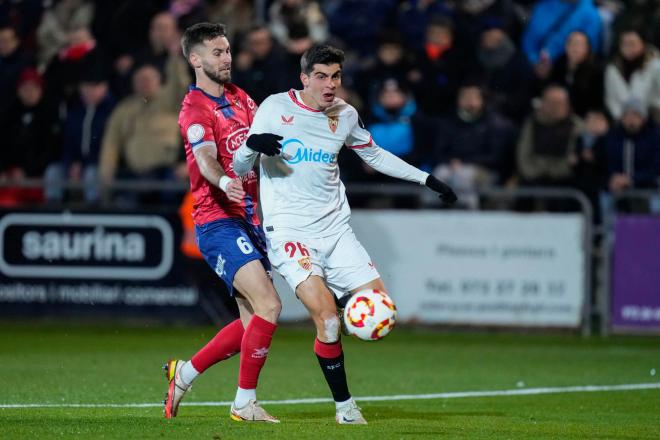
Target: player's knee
(269, 308)
(273, 307)
(331, 329)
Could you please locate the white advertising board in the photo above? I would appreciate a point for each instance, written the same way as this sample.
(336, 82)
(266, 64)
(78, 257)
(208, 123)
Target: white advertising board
(473, 268)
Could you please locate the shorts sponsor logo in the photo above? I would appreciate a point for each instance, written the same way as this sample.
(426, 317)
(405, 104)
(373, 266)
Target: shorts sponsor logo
(305, 263)
(195, 133)
(220, 266)
(298, 152)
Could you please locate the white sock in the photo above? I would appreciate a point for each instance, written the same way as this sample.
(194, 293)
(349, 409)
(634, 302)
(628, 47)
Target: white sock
(188, 373)
(244, 396)
(339, 405)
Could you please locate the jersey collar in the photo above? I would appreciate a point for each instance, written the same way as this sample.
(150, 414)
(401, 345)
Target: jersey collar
(293, 94)
(219, 100)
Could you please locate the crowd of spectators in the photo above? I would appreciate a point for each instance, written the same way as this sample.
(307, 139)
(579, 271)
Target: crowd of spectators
(478, 92)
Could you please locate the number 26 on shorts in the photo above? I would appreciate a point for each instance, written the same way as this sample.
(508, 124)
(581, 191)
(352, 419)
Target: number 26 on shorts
(291, 248)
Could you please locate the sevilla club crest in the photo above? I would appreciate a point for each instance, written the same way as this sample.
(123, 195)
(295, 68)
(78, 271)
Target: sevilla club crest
(333, 122)
(305, 263)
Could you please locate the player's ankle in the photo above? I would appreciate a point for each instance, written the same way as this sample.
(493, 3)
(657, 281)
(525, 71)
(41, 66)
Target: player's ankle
(243, 397)
(188, 373)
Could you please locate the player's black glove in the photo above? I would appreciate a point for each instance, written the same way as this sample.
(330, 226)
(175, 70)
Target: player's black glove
(265, 143)
(447, 194)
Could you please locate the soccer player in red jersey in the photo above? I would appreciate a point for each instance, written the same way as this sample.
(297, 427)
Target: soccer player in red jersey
(214, 120)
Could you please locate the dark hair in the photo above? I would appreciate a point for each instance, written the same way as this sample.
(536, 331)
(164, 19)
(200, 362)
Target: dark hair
(199, 33)
(442, 22)
(320, 54)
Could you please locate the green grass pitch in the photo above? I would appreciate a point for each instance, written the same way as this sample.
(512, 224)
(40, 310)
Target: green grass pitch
(46, 364)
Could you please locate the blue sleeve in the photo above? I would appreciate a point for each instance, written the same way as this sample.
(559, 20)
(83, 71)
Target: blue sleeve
(533, 33)
(585, 19)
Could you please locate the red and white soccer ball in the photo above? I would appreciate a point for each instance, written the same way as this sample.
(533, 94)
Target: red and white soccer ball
(370, 315)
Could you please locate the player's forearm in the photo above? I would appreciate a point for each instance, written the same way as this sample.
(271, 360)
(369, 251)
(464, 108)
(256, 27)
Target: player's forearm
(210, 168)
(244, 159)
(387, 163)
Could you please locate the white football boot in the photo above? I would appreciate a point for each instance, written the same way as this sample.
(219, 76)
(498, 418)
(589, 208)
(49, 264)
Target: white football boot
(252, 412)
(350, 414)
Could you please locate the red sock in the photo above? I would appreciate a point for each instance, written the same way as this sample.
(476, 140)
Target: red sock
(254, 350)
(223, 346)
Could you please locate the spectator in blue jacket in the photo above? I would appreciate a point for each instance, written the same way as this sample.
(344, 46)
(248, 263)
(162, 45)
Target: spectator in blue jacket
(552, 21)
(391, 119)
(82, 136)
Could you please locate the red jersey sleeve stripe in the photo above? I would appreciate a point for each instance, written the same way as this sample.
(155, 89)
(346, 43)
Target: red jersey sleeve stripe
(368, 144)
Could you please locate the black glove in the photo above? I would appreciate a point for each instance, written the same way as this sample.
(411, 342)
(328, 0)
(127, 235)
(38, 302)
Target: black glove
(447, 194)
(265, 143)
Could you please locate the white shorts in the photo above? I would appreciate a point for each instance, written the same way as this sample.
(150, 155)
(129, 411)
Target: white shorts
(340, 259)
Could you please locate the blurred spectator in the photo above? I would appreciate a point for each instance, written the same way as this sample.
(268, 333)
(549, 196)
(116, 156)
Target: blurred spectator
(633, 72)
(142, 138)
(76, 59)
(24, 16)
(57, 21)
(357, 22)
(82, 135)
(414, 16)
(164, 35)
(262, 67)
(188, 12)
(580, 73)
(547, 144)
(122, 26)
(237, 15)
(551, 23)
(443, 67)
(12, 62)
(506, 73)
(31, 139)
(640, 14)
(31, 132)
(591, 168)
(633, 150)
(392, 61)
(288, 15)
(472, 146)
(391, 119)
(473, 16)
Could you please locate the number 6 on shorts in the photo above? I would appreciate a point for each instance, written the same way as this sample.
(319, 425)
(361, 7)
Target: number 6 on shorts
(244, 245)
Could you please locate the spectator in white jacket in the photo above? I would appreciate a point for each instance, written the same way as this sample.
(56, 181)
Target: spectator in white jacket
(634, 72)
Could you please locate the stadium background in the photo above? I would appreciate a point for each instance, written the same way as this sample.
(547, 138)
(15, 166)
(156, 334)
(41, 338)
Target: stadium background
(542, 114)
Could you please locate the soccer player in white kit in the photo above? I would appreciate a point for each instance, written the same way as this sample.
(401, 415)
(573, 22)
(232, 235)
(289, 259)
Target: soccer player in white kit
(305, 212)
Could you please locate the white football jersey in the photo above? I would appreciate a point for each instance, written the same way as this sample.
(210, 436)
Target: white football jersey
(303, 194)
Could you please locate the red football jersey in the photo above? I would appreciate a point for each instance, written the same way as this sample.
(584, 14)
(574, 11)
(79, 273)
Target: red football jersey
(222, 122)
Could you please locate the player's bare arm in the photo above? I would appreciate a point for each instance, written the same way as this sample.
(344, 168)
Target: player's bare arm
(210, 168)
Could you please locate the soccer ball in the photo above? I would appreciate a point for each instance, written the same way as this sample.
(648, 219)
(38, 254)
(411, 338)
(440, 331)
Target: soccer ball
(370, 315)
